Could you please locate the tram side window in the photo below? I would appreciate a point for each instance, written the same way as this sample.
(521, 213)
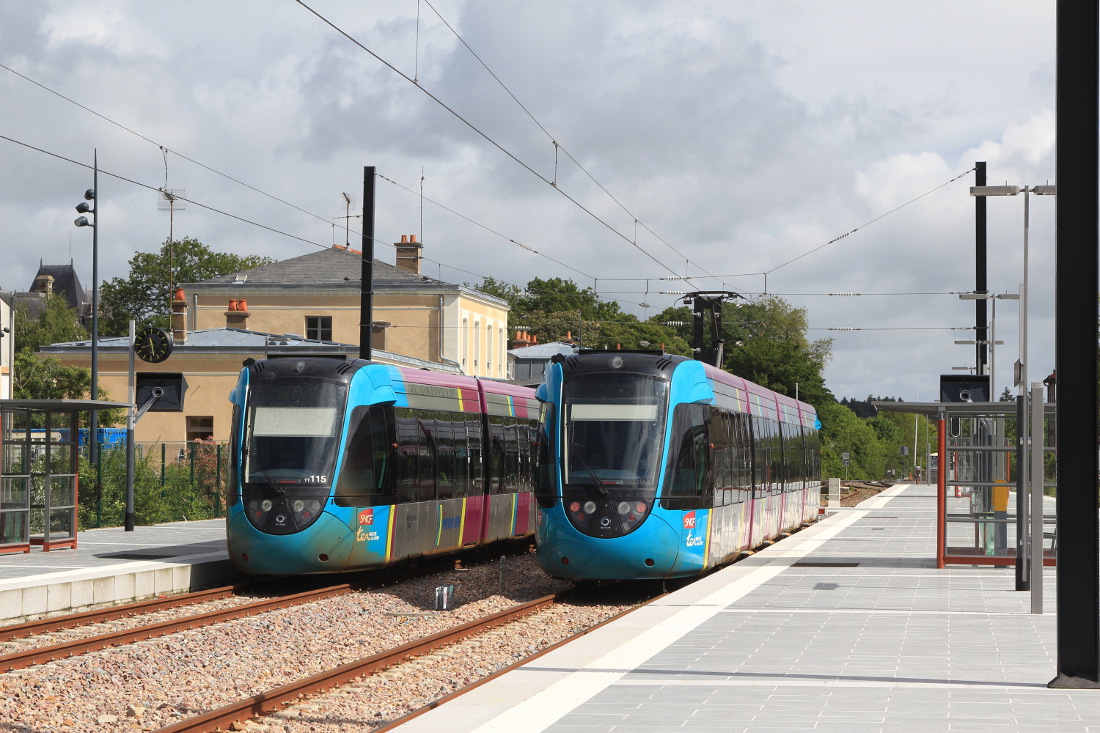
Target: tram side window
(797, 458)
(495, 462)
(365, 478)
(461, 454)
(444, 455)
(426, 465)
(511, 455)
(776, 455)
(813, 446)
(528, 437)
(761, 456)
(546, 475)
(789, 457)
(474, 443)
(232, 489)
(691, 480)
(742, 456)
(415, 456)
(719, 439)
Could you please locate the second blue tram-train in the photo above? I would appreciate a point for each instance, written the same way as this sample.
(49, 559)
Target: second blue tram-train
(656, 466)
(351, 465)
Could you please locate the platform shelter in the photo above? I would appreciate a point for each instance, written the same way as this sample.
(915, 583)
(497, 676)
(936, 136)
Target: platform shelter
(39, 472)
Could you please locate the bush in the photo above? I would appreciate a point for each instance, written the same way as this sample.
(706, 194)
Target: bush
(172, 483)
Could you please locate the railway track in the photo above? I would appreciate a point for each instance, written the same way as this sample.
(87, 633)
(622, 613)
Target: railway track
(53, 652)
(27, 632)
(166, 681)
(276, 701)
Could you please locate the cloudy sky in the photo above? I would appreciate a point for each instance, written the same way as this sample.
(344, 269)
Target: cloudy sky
(615, 143)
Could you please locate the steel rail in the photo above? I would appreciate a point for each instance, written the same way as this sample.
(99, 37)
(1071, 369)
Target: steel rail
(42, 655)
(393, 724)
(276, 699)
(138, 608)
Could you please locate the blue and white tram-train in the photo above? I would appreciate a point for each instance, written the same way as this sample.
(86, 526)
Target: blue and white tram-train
(351, 465)
(653, 466)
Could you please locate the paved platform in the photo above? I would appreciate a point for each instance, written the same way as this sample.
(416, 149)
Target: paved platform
(846, 626)
(112, 565)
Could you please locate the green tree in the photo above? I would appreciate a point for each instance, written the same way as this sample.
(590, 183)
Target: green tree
(45, 378)
(843, 432)
(766, 343)
(58, 323)
(556, 309)
(500, 289)
(145, 296)
(38, 377)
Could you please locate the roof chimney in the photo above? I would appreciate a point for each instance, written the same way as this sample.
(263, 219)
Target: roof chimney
(521, 340)
(179, 317)
(409, 254)
(237, 314)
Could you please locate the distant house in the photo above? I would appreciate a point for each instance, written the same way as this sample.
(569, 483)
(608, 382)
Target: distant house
(210, 362)
(59, 280)
(529, 358)
(318, 296)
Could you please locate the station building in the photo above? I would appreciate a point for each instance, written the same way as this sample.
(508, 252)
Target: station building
(307, 305)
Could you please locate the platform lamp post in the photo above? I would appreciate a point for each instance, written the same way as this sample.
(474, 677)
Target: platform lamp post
(82, 221)
(1021, 370)
(1032, 563)
(992, 342)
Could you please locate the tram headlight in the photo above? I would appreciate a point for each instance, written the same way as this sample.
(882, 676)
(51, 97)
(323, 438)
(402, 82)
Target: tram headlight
(590, 507)
(298, 506)
(624, 507)
(266, 505)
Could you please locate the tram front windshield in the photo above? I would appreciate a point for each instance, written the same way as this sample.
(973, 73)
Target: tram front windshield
(612, 425)
(291, 435)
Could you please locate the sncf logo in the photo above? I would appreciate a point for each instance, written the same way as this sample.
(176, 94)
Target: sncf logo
(366, 517)
(689, 520)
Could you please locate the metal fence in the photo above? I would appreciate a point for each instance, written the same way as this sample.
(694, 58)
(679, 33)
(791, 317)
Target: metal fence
(173, 481)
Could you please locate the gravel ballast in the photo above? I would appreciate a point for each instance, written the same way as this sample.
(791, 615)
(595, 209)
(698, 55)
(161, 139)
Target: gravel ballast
(155, 683)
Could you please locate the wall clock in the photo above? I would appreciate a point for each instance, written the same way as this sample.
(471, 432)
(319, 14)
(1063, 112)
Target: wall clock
(153, 344)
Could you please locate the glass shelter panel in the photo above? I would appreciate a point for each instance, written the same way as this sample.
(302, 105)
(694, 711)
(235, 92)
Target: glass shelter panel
(15, 495)
(38, 474)
(983, 515)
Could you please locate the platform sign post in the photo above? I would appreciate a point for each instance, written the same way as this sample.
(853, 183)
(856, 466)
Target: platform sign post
(1035, 485)
(1077, 88)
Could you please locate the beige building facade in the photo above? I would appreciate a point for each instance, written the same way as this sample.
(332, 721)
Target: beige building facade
(308, 305)
(319, 296)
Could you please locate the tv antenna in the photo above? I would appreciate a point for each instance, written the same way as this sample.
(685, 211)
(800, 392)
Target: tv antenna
(171, 199)
(347, 217)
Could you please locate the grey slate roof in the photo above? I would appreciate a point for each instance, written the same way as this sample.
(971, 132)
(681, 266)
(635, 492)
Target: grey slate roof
(333, 267)
(544, 351)
(216, 339)
(65, 283)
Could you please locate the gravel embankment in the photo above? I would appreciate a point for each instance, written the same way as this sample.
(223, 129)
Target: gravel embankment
(155, 683)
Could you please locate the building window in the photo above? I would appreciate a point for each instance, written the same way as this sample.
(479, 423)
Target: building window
(319, 328)
(489, 350)
(464, 340)
(200, 428)
(477, 344)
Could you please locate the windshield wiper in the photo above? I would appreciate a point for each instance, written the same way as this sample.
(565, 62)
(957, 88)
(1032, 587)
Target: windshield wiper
(584, 466)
